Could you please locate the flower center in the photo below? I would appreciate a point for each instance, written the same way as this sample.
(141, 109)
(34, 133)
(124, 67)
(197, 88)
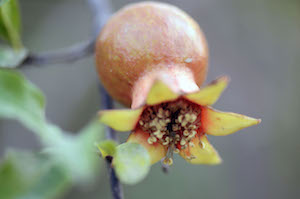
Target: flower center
(172, 124)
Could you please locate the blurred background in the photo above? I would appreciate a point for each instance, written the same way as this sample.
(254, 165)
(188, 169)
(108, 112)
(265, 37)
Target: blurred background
(255, 42)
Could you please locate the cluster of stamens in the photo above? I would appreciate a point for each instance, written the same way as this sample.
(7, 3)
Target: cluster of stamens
(172, 124)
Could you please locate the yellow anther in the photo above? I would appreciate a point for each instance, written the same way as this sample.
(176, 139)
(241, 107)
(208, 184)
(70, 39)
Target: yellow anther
(168, 161)
(162, 122)
(187, 117)
(150, 140)
(180, 117)
(154, 139)
(176, 150)
(186, 132)
(160, 113)
(184, 123)
(193, 127)
(193, 117)
(182, 141)
(193, 133)
(202, 145)
(157, 126)
(167, 141)
(158, 134)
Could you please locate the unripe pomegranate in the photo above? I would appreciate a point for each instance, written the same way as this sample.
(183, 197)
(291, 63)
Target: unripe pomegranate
(153, 57)
(147, 41)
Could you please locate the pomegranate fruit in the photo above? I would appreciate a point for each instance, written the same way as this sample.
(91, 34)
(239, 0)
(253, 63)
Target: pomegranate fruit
(147, 41)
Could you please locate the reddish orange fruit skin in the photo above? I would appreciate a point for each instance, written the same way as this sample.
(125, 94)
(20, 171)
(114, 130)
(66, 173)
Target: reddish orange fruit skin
(144, 37)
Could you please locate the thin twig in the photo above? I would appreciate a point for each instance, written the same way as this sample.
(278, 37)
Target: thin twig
(101, 11)
(116, 187)
(69, 54)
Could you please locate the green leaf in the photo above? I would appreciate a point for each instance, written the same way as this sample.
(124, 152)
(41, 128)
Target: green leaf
(39, 178)
(21, 100)
(10, 23)
(78, 153)
(10, 30)
(107, 148)
(10, 58)
(131, 162)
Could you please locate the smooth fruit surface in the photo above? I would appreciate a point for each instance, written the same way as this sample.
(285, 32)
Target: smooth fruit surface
(146, 37)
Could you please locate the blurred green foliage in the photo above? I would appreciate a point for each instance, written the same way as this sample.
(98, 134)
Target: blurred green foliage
(69, 157)
(10, 23)
(10, 30)
(24, 175)
(20, 99)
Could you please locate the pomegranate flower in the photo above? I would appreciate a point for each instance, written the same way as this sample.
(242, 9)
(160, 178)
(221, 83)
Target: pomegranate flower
(170, 122)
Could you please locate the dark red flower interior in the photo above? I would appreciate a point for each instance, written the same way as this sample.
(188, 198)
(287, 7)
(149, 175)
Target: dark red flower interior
(173, 124)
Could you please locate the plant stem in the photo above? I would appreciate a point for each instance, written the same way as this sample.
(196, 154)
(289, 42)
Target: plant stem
(101, 11)
(116, 187)
(69, 54)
